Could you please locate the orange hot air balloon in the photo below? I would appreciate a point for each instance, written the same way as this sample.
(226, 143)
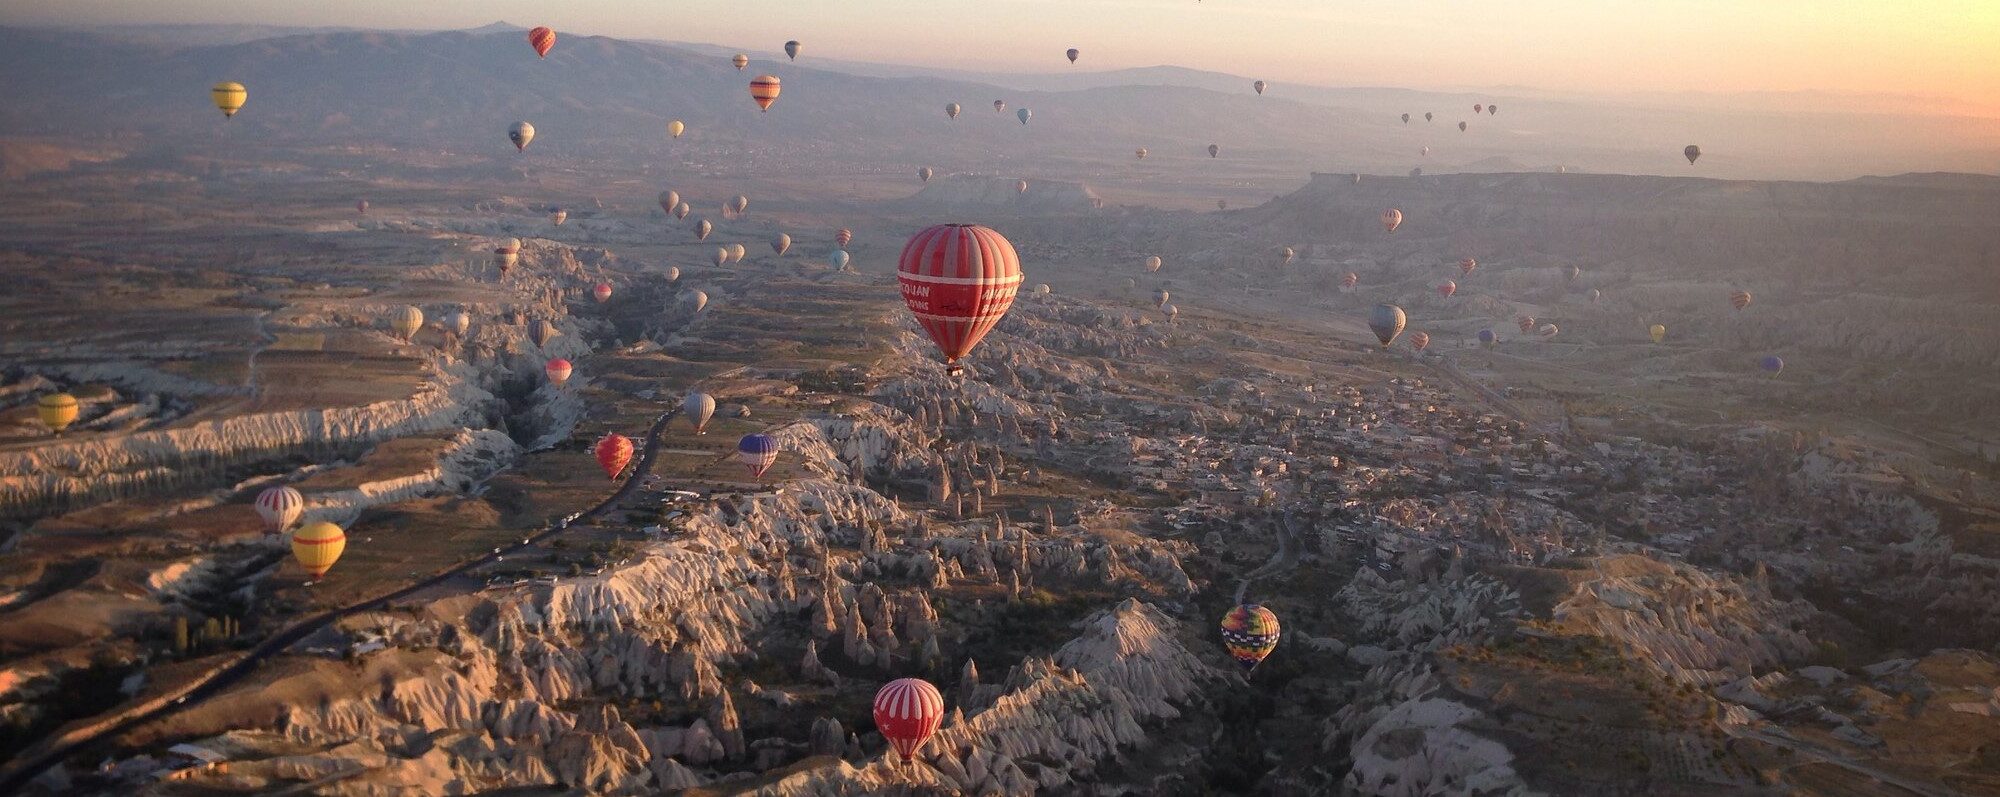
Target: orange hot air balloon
(1391, 219)
(558, 370)
(1740, 299)
(317, 546)
(542, 39)
(1467, 265)
(764, 90)
(841, 238)
(1349, 280)
(958, 280)
(614, 452)
(602, 292)
(1420, 340)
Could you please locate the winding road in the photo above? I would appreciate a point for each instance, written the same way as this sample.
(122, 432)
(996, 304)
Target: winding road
(34, 761)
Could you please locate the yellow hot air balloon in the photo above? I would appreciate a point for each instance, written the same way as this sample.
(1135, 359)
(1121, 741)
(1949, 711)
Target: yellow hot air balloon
(57, 410)
(317, 546)
(406, 322)
(675, 128)
(1659, 332)
(229, 97)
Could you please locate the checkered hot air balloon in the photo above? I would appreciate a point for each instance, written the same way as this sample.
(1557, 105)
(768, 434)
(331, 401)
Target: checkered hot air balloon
(958, 280)
(1250, 633)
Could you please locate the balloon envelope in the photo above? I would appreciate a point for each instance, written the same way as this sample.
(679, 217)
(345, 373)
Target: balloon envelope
(698, 407)
(764, 91)
(558, 370)
(318, 546)
(757, 452)
(838, 259)
(1250, 633)
(792, 50)
(229, 97)
(521, 133)
(542, 39)
(958, 280)
(1024, 115)
(1386, 321)
(1692, 152)
(907, 712)
(56, 411)
(676, 127)
(1391, 219)
(1658, 332)
(280, 507)
(1773, 363)
(614, 452)
(780, 243)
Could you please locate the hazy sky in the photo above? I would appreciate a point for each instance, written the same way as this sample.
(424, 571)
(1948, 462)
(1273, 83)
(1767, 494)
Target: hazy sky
(1941, 48)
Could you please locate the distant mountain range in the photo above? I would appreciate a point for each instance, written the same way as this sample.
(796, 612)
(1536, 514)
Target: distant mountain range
(600, 97)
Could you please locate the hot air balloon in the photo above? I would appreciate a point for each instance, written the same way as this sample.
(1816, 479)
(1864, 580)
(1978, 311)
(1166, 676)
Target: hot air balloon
(1420, 340)
(317, 546)
(673, 273)
(1249, 633)
(1547, 331)
(1350, 280)
(1406, 118)
(601, 292)
(1658, 332)
(951, 110)
(780, 243)
(1574, 272)
(280, 507)
(682, 210)
(1160, 297)
(924, 173)
(1739, 299)
(1488, 337)
(361, 206)
(907, 712)
(1072, 55)
(457, 322)
(1461, 127)
(614, 452)
(558, 216)
(698, 299)
(1391, 219)
(541, 332)
(958, 280)
(1141, 152)
(669, 200)
(229, 97)
(542, 39)
(1427, 116)
(1492, 109)
(1021, 186)
(1171, 312)
(1467, 265)
(506, 255)
(1596, 295)
(740, 203)
(999, 105)
(838, 259)
(721, 256)
(1259, 86)
(792, 49)
(1478, 108)
(843, 237)
(737, 253)
(1214, 150)
(1153, 263)
(1386, 321)
(1043, 289)
(1024, 115)
(698, 407)
(558, 371)
(1692, 152)
(764, 90)
(57, 411)
(1286, 255)
(676, 127)
(1447, 288)
(757, 452)
(521, 133)
(1427, 152)
(406, 322)
(1526, 322)
(702, 228)
(1222, 204)
(740, 61)
(1772, 363)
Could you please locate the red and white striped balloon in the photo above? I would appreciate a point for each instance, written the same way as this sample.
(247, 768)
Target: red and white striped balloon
(958, 280)
(280, 507)
(907, 712)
